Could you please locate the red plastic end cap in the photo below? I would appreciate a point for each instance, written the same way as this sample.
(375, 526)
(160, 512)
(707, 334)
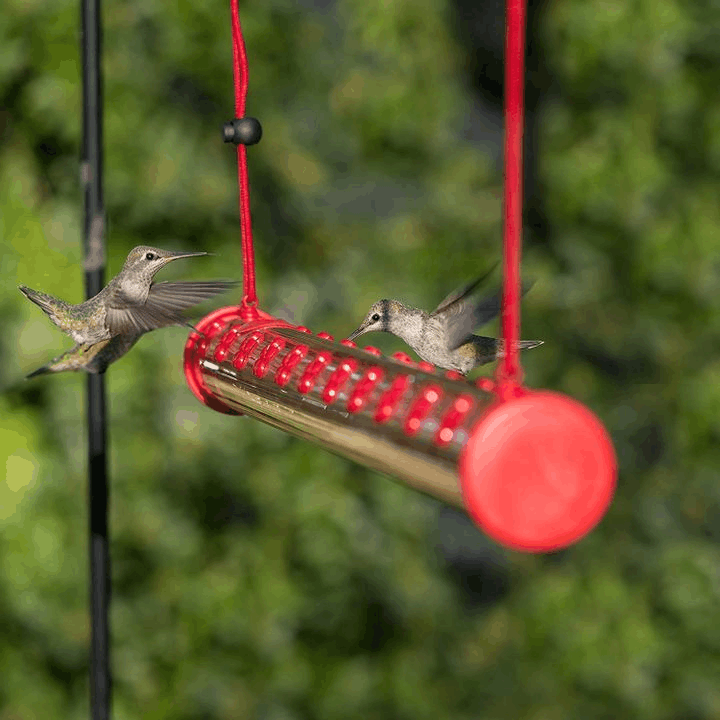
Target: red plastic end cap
(195, 348)
(538, 472)
(197, 343)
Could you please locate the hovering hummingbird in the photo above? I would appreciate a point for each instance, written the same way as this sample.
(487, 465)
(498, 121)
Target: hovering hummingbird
(107, 325)
(443, 337)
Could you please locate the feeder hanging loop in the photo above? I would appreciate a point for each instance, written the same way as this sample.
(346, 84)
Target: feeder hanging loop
(243, 131)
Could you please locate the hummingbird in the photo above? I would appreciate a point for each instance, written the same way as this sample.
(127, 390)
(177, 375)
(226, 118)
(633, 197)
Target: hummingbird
(445, 336)
(107, 325)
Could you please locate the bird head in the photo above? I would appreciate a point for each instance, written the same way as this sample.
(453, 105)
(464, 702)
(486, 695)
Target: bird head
(377, 320)
(146, 261)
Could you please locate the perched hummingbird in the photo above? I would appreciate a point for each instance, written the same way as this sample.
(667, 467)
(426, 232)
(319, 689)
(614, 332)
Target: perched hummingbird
(443, 337)
(107, 325)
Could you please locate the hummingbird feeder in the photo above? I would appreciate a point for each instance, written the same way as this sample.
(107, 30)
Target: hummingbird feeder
(536, 470)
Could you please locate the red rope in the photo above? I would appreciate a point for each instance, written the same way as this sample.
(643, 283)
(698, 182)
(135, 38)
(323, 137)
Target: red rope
(248, 308)
(509, 374)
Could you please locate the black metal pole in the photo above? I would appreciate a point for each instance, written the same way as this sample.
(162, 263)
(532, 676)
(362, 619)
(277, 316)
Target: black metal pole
(94, 245)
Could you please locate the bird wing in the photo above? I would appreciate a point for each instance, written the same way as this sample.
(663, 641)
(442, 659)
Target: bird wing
(462, 317)
(457, 296)
(164, 306)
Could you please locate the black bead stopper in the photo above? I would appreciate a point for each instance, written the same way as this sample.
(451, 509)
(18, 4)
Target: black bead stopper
(242, 131)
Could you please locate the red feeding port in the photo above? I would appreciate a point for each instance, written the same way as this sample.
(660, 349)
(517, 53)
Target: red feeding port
(311, 374)
(338, 379)
(289, 363)
(242, 357)
(363, 389)
(453, 418)
(391, 399)
(268, 355)
(421, 408)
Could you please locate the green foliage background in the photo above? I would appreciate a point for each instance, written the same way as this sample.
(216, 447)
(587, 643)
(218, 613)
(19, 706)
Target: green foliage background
(256, 576)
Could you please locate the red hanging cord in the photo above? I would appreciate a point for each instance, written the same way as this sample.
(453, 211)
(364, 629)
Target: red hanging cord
(509, 373)
(248, 307)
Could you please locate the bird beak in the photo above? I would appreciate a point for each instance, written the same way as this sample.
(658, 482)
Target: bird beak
(357, 333)
(178, 255)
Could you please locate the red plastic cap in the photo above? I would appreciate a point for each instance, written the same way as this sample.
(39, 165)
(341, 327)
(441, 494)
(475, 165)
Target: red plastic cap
(538, 472)
(215, 323)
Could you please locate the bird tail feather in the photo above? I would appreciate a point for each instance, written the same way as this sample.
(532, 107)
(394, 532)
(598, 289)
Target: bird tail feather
(44, 370)
(47, 303)
(521, 345)
(488, 349)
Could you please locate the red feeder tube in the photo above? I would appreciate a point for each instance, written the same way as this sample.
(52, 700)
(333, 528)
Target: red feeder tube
(382, 412)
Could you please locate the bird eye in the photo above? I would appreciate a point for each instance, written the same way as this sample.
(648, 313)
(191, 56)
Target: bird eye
(375, 317)
(150, 256)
